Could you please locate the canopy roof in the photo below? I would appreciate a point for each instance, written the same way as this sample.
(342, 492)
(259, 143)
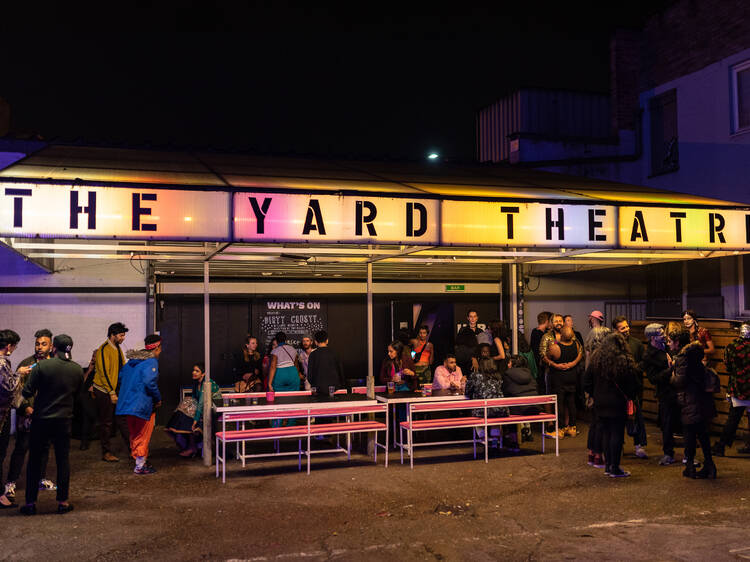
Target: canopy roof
(79, 166)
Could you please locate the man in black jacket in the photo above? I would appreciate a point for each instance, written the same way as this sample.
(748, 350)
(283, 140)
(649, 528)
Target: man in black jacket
(323, 367)
(657, 364)
(55, 382)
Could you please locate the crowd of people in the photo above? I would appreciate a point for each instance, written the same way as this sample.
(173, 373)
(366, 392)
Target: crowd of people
(602, 373)
(42, 392)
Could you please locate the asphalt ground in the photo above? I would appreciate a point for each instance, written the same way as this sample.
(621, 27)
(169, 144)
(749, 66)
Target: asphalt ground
(525, 506)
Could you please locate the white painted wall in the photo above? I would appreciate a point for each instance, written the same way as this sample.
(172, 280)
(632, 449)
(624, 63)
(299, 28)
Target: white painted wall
(78, 311)
(578, 294)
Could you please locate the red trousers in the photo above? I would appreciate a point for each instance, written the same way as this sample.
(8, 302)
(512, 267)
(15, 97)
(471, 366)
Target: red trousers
(140, 434)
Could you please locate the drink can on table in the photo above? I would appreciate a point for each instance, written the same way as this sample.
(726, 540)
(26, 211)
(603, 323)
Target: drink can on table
(391, 387)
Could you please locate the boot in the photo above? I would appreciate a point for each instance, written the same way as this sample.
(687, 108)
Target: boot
(708, 471)
(689, 471)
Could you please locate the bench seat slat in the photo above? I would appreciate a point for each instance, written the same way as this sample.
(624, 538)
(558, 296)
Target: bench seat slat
(298, 430)
(492, 403)
(320, 412)
(472, 421)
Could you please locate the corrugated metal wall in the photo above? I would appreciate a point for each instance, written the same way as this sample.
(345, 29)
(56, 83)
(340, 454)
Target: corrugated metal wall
(542, 112)
(494, 124)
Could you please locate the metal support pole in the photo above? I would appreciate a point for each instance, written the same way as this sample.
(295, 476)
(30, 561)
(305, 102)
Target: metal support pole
(207, 402)
(514, 307)
(370, 354)
(371, 437)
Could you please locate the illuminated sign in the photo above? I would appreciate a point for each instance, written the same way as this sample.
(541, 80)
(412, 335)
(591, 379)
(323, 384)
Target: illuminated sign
(664, 228)
(469, 223)
(335, 219)
(59, 211)
(68, 211)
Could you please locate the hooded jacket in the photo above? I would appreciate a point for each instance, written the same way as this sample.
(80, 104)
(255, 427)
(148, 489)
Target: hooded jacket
(138, 385)
(518, 381)
(689, 379)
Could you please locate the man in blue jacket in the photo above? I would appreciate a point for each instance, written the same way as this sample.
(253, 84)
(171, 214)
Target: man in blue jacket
(139, 397)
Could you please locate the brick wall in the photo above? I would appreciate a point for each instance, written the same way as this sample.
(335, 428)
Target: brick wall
(624, 52)
(691, 35)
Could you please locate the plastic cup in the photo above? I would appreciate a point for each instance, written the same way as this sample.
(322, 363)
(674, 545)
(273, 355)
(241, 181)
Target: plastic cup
(270, 396)
(331, 391)
(391, 387)
(426, 391)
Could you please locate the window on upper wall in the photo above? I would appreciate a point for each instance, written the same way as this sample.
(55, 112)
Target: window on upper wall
(664, 145)
(741, 97)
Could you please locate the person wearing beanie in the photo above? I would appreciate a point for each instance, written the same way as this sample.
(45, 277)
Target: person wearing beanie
(139, 397)
(54, 382)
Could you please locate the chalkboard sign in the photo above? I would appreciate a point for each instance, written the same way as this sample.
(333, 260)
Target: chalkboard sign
(296, 318)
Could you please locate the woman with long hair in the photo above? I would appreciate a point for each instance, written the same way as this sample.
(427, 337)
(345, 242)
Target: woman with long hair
(595, 439)
(698, 333)
(615, 373)
(248, 367)
(398, 368)
(500, 344)
(185, 425)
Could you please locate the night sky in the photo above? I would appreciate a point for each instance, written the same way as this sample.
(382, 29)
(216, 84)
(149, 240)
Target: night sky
(326, 81)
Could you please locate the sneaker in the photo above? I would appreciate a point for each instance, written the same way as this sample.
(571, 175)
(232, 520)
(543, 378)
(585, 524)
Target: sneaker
(552, 434)
(607, 470)
(619, 473)
(591, 459)
(10, 490)
(718, 449)
(666, 460)
(598, 461)
(48, 485)
(570, 431)
(640, 452)
(526, 435)
(696, 464)
(145, 469)
(109, 457)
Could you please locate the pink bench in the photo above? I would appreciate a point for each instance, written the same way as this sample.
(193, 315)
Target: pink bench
(300, 431)
(475, 422)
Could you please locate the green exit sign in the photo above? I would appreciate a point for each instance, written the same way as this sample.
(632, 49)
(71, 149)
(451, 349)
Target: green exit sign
(455, 288)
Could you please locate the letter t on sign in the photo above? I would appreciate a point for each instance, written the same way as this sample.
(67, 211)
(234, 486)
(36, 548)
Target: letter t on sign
(510, 212)
(678, 225)
(18, 204)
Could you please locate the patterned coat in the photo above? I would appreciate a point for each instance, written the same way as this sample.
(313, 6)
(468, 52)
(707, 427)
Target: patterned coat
(737, 360)
(479, 386)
